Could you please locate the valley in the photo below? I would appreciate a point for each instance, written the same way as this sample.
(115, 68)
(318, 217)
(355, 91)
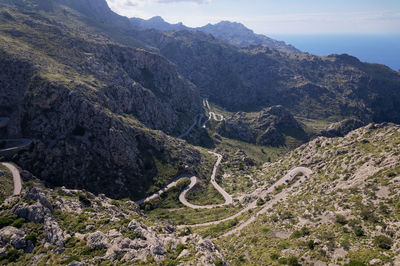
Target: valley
(126, 141)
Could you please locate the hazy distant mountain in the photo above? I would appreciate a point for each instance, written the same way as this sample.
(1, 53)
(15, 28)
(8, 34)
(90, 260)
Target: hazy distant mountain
(230, 32)
(157, 23)
(103, 102)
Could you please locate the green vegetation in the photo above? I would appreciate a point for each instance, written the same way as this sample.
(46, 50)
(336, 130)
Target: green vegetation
(258, 153)
(383, 242)
(6, 183)
(372, 205)
(84, 199)
(200, 195)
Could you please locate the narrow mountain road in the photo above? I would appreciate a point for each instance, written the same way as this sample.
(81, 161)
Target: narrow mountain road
(164, 189)
(282, 195)
(16, 178)
(287, 178)
(193, 182)
(211, 115)
(19, 144)
(196, 118)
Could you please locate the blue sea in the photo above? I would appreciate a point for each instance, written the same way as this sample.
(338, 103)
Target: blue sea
(382, 49)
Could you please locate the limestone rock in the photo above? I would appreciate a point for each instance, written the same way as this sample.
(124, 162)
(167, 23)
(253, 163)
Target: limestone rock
(340, 129)
(13, 236)
(34, 213)
(54, 234)
(97, 240)
(37, 194)
(267, 127)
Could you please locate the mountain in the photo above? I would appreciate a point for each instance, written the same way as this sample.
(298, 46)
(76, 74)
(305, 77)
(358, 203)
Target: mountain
(124, 146)
(345, 212)
(269, 127)
(249, 79)
(237, 34)
(230, 32)
(101, 114)
(157, 23)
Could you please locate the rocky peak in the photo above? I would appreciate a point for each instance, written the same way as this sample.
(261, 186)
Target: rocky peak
(228, 25)
(99, 11)
(267, 127)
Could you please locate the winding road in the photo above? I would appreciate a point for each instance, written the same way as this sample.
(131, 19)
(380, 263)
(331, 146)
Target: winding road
(211, 115)
(287, 178)
(304, 172)
(282, 195)
(14, 145)
(196, 118)
(16, 178)
(193, 182)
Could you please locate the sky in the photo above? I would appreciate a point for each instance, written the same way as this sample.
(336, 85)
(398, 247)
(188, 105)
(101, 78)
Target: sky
(274, 16)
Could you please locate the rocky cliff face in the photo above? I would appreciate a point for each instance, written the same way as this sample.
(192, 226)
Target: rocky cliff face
(268, 127)
(340, 129)
(257, 77)
(99, 113)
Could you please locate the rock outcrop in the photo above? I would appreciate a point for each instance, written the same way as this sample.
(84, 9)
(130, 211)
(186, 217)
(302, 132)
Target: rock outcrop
(268, 127)
(41, 212)
(340, 129)
(13, 236)
(99, 113)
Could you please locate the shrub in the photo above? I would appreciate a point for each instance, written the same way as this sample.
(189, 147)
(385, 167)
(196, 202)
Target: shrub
(383, 242)
(311, 244)
(5, 221)
(300, 233)
(84, 200)
(274, 256)
(218, 263)
(368, 214)
(260, 202)
(340, 219)
(282, 261)
(115, 203)
(180, 248)
(355, 263)
(391, 174)
(11, 256)
(293, 261)
(358, 231)
(18, 222)
(32, 237)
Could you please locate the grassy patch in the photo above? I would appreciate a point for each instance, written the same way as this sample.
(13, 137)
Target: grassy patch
(6, 183)
(201, 195)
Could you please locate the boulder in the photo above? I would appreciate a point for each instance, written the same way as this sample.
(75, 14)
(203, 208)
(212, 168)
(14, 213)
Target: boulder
(34, 213)
(54, 234)
(37, 194)
(97, 240)
(13, 236)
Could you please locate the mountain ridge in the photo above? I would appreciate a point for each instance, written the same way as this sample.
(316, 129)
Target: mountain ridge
(233, 33)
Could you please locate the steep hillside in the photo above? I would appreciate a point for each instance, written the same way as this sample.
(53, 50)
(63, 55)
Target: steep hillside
(270, 127)
(97, 111)
(346, 211)
(332, 87)
(74, 227)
